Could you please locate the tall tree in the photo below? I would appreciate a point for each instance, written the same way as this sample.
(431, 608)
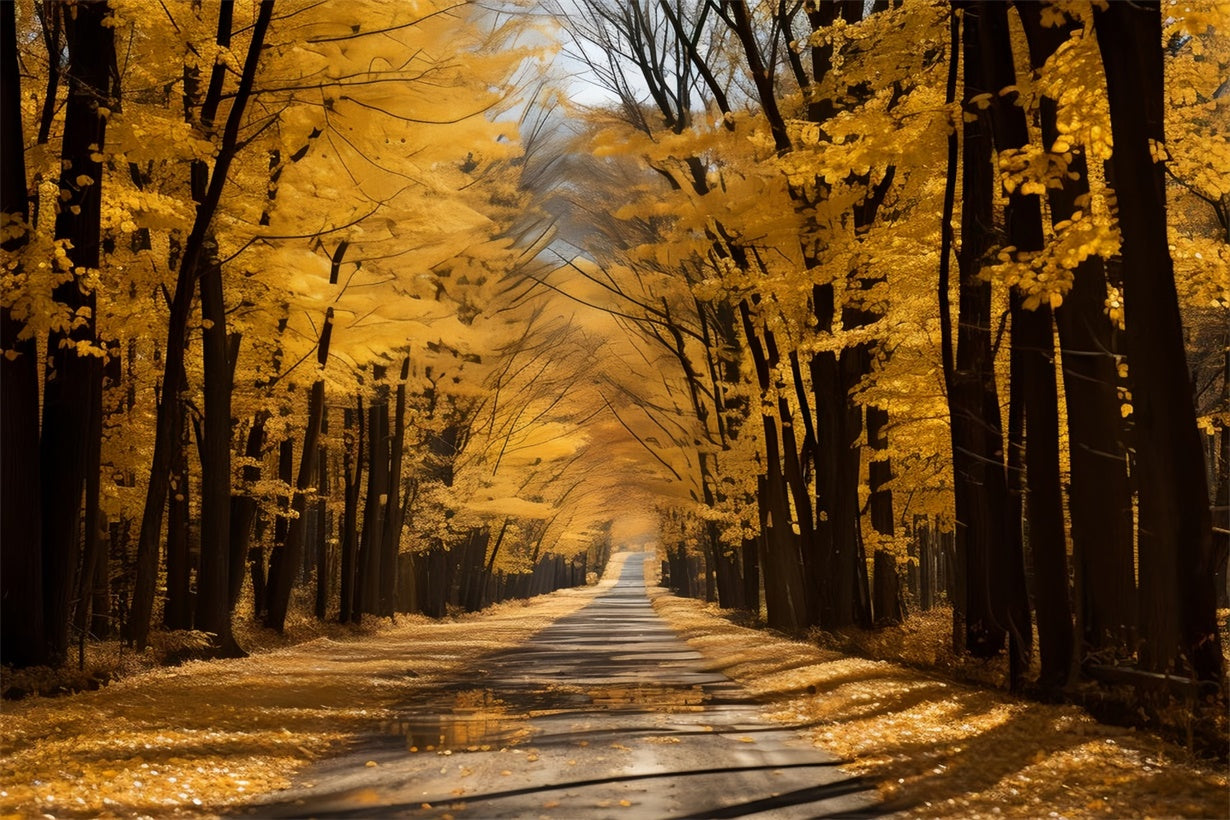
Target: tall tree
(170, 411)
(22, 639)
(978, 442)
(72, 392)
(1099, 493)
(1177, 601)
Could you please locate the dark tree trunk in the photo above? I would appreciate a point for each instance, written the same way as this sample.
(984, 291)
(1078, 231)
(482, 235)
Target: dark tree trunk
(927, 580)
(169, 419)
(750, 555)
(1178, 619)
(101, 626)
(177, 609)
(281, 525)
(1033, 363)
(72, 392)
(243, 506)
(1221, 520)
(1047, 542)
(321, 512)
(978, 447)
(352, 475)
(472, 565)
(785, 598)
(367, 587)
(292, 557)
(1100, 495)
(956, 587)
(23, 641)
(282, 571)
(889, 607)
(394, 516)
(213, 603)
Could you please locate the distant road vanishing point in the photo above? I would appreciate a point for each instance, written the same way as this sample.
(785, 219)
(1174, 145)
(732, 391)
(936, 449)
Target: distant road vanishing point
(603, 713)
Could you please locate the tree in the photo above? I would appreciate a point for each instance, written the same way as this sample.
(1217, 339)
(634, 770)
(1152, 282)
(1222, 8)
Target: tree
(170, 412)
(72, 401)
(23, 640)
(1177, 601)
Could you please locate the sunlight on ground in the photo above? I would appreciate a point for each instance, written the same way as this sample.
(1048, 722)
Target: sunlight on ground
(939, 749)
(209, 734)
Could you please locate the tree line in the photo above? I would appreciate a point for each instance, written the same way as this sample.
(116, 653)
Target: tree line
(265, 331)
(945, 289)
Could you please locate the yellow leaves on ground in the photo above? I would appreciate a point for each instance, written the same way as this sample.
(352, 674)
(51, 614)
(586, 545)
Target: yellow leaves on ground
(210, 734)
(940, 749)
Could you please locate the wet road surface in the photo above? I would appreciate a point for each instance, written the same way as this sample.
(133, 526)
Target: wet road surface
(603, 713)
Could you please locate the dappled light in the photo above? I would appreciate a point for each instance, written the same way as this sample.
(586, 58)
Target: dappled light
(568, 408)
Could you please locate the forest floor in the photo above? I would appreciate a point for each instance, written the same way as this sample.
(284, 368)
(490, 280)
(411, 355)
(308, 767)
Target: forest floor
(207, 736)
(938, 748)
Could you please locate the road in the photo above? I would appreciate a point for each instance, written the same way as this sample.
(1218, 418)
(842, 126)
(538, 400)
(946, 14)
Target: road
(603, 713)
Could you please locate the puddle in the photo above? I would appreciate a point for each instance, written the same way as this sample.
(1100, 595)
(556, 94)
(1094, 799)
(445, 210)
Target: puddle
(474, 721)
(479, 720)
(650, 697)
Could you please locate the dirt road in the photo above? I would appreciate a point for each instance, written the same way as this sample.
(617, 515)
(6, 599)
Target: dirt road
(603, 713)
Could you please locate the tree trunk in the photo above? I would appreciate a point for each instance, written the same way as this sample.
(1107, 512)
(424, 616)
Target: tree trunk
(22, 637)
(292, 556)
(785, 598)
(213, 602)
(1047, 541)
(1033, 351)
(169, 419)
(72, 390)
(1100, 495)
(243, 506)
(978, 449)
(321, 512)
(393, 517)
(886, 590)
(177, 609)
(955, 589)
(371, 539)
(1176, 563)
(282, 571)
(352, 475)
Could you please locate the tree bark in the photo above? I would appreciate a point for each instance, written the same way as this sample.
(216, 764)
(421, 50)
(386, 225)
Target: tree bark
(321, 511)
(72, 392)
(352, 476)
(1176, 562)
(292, 555)
(1100, 495)
(213, 603)
(177, 608)
(22, 637)
(1033, 364)
(367, 589)
(889, 607)
(394, 515)
(978, 451)
(169, 419)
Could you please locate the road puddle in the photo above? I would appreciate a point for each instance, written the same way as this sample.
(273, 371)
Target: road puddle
(650, 698)
(474, 721)
(480, 720)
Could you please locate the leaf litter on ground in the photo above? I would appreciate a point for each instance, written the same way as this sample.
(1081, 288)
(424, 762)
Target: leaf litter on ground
(208, 735)
(938, 748)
